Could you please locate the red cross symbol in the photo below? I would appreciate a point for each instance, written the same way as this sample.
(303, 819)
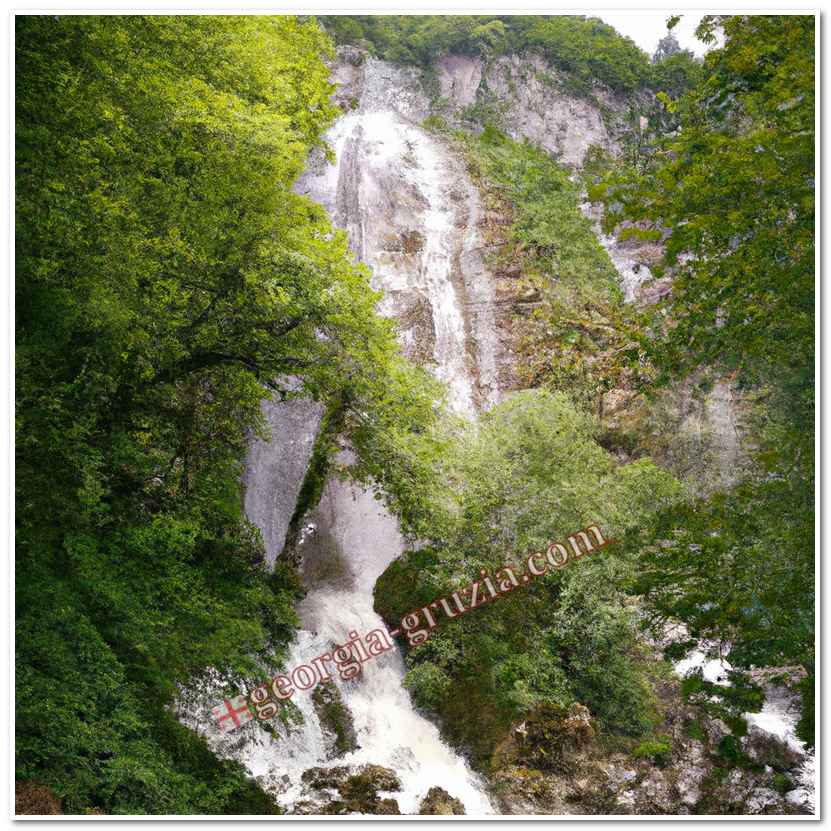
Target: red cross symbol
(232, 713)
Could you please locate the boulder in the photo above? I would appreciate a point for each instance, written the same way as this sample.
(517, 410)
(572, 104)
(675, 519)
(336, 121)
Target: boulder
(359, 792)
(438, 802)
(376, 806)
(550, 735)
(379, 778)
(321, 778)
(357, 789)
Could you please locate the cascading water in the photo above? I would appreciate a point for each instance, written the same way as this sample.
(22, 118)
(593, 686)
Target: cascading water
(411, 214)
(778, 717)
(631, 274)
(350, 539)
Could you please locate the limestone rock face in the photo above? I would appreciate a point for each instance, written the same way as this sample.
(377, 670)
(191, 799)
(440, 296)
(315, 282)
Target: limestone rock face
(413, 215)
(529, 98)
(531, 101)
(276, 466)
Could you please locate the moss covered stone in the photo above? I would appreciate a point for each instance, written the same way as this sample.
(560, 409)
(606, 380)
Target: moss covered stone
(335, 718)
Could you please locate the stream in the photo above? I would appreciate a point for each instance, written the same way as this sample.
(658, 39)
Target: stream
(411, 214)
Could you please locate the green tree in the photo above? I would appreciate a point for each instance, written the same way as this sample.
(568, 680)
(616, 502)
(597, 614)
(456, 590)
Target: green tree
(167, 275)
(530, 472)
(733, 189)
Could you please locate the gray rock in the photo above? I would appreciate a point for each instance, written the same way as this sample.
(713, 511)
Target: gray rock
(275, 468)
(762, 798)
(692, 768)
(321, 778)
(529, 97)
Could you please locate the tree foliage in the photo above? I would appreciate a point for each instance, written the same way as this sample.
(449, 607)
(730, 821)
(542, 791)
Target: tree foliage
(587, 48)
(532, 472)
(743, 268)
(166, 276)
(733, 189)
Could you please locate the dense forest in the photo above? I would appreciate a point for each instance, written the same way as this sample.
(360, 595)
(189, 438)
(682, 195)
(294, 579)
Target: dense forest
(170, 275)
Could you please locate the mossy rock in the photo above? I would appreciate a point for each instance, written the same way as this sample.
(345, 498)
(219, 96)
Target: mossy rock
(335, 718)
(550, 735)
(438, 802)
(381, 778)
(320, 777)
(379, 806)
(359, 792)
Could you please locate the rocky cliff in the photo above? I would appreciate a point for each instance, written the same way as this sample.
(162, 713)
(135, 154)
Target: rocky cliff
(413, 214)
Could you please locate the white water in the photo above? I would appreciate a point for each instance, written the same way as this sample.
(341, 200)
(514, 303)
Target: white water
(631, 273)
(352, 529)
(391, 181)
(778, 717)
(389, 731)
(392, 184)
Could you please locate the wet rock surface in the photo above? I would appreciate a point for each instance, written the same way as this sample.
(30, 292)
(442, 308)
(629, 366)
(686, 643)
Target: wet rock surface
(438, 802)
(350, 790)
(276, 466)
(543, 768)
(412, 214)
(335, 719)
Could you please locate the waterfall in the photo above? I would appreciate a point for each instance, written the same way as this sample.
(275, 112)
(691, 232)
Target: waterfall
(411, 214)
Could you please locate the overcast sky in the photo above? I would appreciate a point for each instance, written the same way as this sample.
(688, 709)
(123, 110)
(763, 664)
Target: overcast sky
(647, 28)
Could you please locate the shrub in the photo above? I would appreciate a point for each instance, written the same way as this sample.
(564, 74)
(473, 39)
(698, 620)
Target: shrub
(657, 749)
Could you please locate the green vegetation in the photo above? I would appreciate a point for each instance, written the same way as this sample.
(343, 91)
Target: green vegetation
(734, 188)
(694, 730)
(782, 783)
(657, 750)
(166, 274)
(570, 340)
(586, 48)
(531, 473)
(737, 567)
(168, 277)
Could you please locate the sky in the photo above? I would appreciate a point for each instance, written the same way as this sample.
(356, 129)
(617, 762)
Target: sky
(647, 28)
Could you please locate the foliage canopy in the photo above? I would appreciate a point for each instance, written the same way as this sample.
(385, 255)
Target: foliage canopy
(166, 275)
